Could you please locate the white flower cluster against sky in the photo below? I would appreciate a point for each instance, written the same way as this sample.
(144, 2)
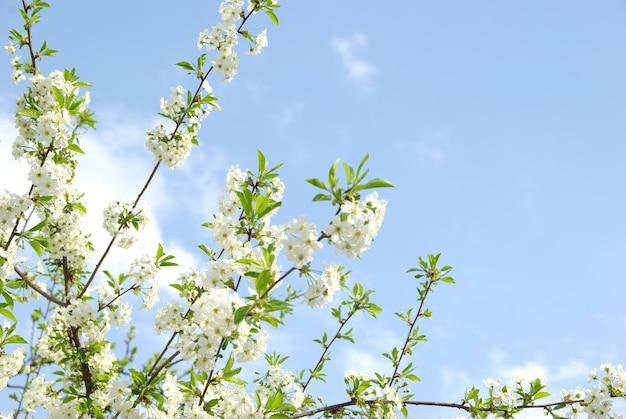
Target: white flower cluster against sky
(502, 125)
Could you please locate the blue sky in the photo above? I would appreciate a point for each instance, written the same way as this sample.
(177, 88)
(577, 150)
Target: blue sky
(502, 124)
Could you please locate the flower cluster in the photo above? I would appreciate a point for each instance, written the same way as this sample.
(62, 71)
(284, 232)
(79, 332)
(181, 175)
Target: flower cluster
(212, 325)
(46, 114)
(596, 402)
(17, 75)
(12, 208)
(352, 231)
(507, 396)
(300, 240)
(260, 42)
(223, 37)
(360, 387)
(121, 220)
(10, 364)
(322, 290)
(173, 145)
(47, 117)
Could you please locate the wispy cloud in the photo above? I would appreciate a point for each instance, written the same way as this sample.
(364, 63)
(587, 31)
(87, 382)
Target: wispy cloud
(286, 115)
(529, 371)
(454, 382)
(115, 166)
(358, 69)
(572, 368)
(427, 149)
(12, 173)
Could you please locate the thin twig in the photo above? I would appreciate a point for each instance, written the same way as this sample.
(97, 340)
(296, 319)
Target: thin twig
(35, 287)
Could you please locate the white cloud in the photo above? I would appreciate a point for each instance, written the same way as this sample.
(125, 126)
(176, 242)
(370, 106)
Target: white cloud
(364, 361)
(529, 371)
(116, 166)
(574, 368)
(358, 69)
(497, 355)
(372, 341)
(428, 149)
(454, 382)
(287, 114)
(12, 173)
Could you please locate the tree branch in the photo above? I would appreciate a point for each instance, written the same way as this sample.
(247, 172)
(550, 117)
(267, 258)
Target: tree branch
(31, 284)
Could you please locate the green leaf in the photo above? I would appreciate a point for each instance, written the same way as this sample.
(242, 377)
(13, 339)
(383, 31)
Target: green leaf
(8, 314)
(39, 245)
(79, 207)
(159, 253)
(332, 178)
(275, 401)
(137, 377)
(166, 261)
(29, 113)
(177, 287)
(15, 339)
(318, 183)
(262, 161)
(375, 183)
(39, 226)
(349, 173)
(272, 16)
(235, 380)
(374, 309)
(76, 103)
(245, 197)
(186, 66)
(322, 197)
(205, 249)
(263, 281)
(59, 96)
(541, 395)
(229, 364)
(264, 205)
(241, 313)
(75, 148)
(361, 165)
(247, 261)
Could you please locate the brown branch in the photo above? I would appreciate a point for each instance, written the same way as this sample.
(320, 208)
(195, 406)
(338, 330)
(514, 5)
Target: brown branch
(31, 284)
(84, 366)
(27, 26)
(67, 278)
(110, 245)
(118, 296)
(461, 406)
(394, 376)
(323, 358)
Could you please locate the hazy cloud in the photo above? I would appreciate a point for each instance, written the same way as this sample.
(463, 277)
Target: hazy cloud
(375, 339)
(347, 48)
(454, 382)
(427, 149)
(115, 166)
(574, 368)
(286, 115)
(364, 361)
(529, 371)
(12, 173)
